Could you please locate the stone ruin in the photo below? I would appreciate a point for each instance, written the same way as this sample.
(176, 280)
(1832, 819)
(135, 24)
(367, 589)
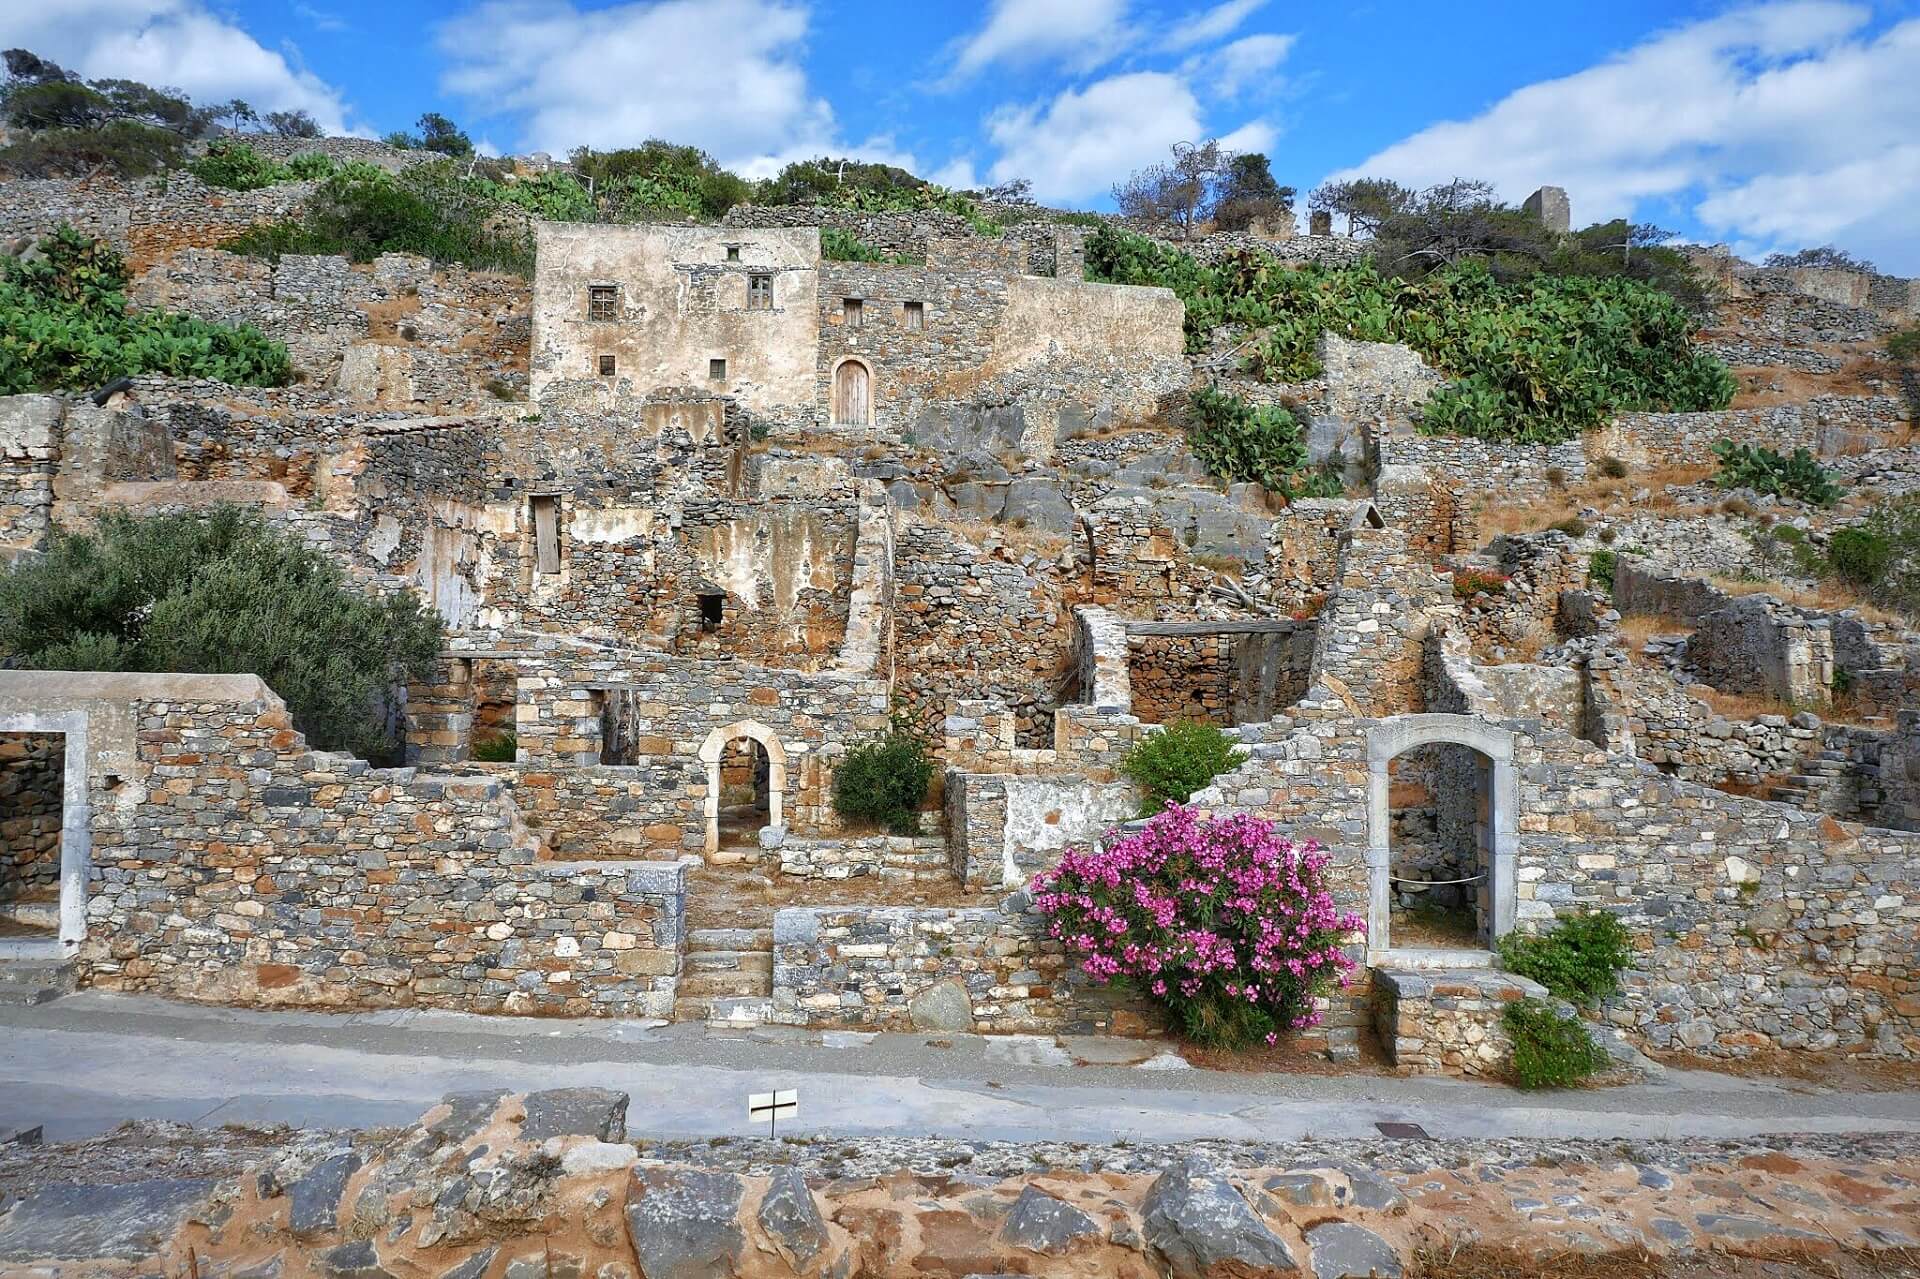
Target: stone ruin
(760, 500)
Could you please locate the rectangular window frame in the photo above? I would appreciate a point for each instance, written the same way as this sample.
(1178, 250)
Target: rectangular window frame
(717, 368)
(760, 291)
(603, 303)
(605, 364)
(913, 316)
(853, 313)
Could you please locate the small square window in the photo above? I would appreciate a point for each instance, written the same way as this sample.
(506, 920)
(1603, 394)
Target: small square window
(733, 253)
(606, 366)
(760, 293)
(915, 315)
(603, 302)
(851, 312)
(717, 370)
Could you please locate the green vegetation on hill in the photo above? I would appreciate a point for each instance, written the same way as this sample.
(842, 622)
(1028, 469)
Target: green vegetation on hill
(64, 324)
(1537, 360)
(222, 593)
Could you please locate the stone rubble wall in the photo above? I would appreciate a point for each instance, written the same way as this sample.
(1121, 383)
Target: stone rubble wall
(988, 968)
(32, 800)
(1826, 425)
(1757, 925)
(1448, 1023)
(1371, 634)
(1035, 245)
(240, 867)
(146, 219)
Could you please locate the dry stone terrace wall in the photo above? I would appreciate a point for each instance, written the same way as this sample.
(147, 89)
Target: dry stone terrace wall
(146, 219)
(1757, 924)
(1036, 247)
(1826, 425)
(238, 866)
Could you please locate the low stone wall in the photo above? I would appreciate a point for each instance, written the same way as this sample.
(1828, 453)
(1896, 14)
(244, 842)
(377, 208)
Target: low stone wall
(912, 858)
(32, 780)
(1482, 469)
(1447, 1022)
(146, 219)
(944, 968)
(1002, 828)
(1826, 425)
(240, 867)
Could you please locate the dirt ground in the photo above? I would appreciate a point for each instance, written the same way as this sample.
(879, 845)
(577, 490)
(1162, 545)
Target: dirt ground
(1489, 1263)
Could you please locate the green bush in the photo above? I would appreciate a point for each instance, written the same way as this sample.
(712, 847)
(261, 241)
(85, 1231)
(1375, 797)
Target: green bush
(1183, 757)
(1550, 1050)
(1536, 360)
(1612, 468)
(837, 245)
(220, 593)
(1600, 569)
(1765, 471)
(235, 165)
(883, 782)
(434, 210)
(1580, 960)
(1237, 442)
(1859, 555)
(502, 748)
(64, 324)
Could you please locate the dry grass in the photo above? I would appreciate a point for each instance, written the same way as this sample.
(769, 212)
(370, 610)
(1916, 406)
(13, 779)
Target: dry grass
(1740, 706)
(1828, 595)
(1609, 497)
(1637, 628)
(1015, 537)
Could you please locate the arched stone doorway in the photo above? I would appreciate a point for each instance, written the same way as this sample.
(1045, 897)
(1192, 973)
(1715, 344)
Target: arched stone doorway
(770, 756)
(1468, 765)
(852, 393)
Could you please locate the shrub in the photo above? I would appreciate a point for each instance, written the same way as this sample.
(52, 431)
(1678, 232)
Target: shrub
(1580, 960)
(1612, 468)
(1237, 442)
(1600, 569)
(1469, 582)
(1556, 477)
(234, 164)
(1536, 360)
(502, 748)
(1550, 1049)
(1572, 526)
(844, 246)
(1859, 555)
(1183, 757)
(1226, 925)
(64, 323)
(222, 592)
(882, 782)
(1765, 471)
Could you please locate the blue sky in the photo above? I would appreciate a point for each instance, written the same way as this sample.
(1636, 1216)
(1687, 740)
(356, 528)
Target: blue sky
(1769, 125)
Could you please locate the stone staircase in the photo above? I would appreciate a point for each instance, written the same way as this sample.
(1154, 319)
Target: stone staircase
(917, 858)
(1830, 783)
(727, 977)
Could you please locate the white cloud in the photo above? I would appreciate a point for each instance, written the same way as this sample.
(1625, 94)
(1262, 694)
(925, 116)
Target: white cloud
(1079, 34)
(1240, 64)
(724, 75)
(1785, 124)
(178, 44)
(1084, 140)
(1216, 23)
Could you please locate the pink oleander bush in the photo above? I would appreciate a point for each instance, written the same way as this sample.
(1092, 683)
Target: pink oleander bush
(1225, 923)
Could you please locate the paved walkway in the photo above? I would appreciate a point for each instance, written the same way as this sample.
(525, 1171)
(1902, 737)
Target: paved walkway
(85, 1063)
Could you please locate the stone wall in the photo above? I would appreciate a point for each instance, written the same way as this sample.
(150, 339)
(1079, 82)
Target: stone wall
(1826, 425)
(1756, 924)
(1370, 635)
(947, 968)
(29, 458)
(1004, 827)
(238, 866)
(146, 219)
(1223, 677)
(32, 778)
(1740, 643)
(1033, 245)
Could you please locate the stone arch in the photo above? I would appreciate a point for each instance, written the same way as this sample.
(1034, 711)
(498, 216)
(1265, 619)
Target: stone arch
(851, 392)
(715, 746)
(1395, 736)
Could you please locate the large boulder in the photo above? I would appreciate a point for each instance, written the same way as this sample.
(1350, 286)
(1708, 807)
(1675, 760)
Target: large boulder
(1040, 1223)
(127, 1221)
(600, 1113)
(684, 1223)
(1196, 1220)
(314, 1200)
(791, 1218)
(1341, 1250)
(944, 1006)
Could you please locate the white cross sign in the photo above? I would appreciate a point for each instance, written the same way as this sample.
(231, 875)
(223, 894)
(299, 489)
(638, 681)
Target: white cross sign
(771, 1105)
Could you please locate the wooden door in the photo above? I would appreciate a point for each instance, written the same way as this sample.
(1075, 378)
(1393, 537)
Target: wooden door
(850, 394)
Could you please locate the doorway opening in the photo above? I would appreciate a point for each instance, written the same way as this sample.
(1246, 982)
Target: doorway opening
(33, 768)
(1440, 864)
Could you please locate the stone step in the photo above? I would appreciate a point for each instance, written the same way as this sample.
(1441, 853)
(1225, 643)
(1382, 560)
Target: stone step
(1426, 959)
(751, 1011)
(729, 961)
(43, 915)
(25, 982)
(721, 985)
(729, 939)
